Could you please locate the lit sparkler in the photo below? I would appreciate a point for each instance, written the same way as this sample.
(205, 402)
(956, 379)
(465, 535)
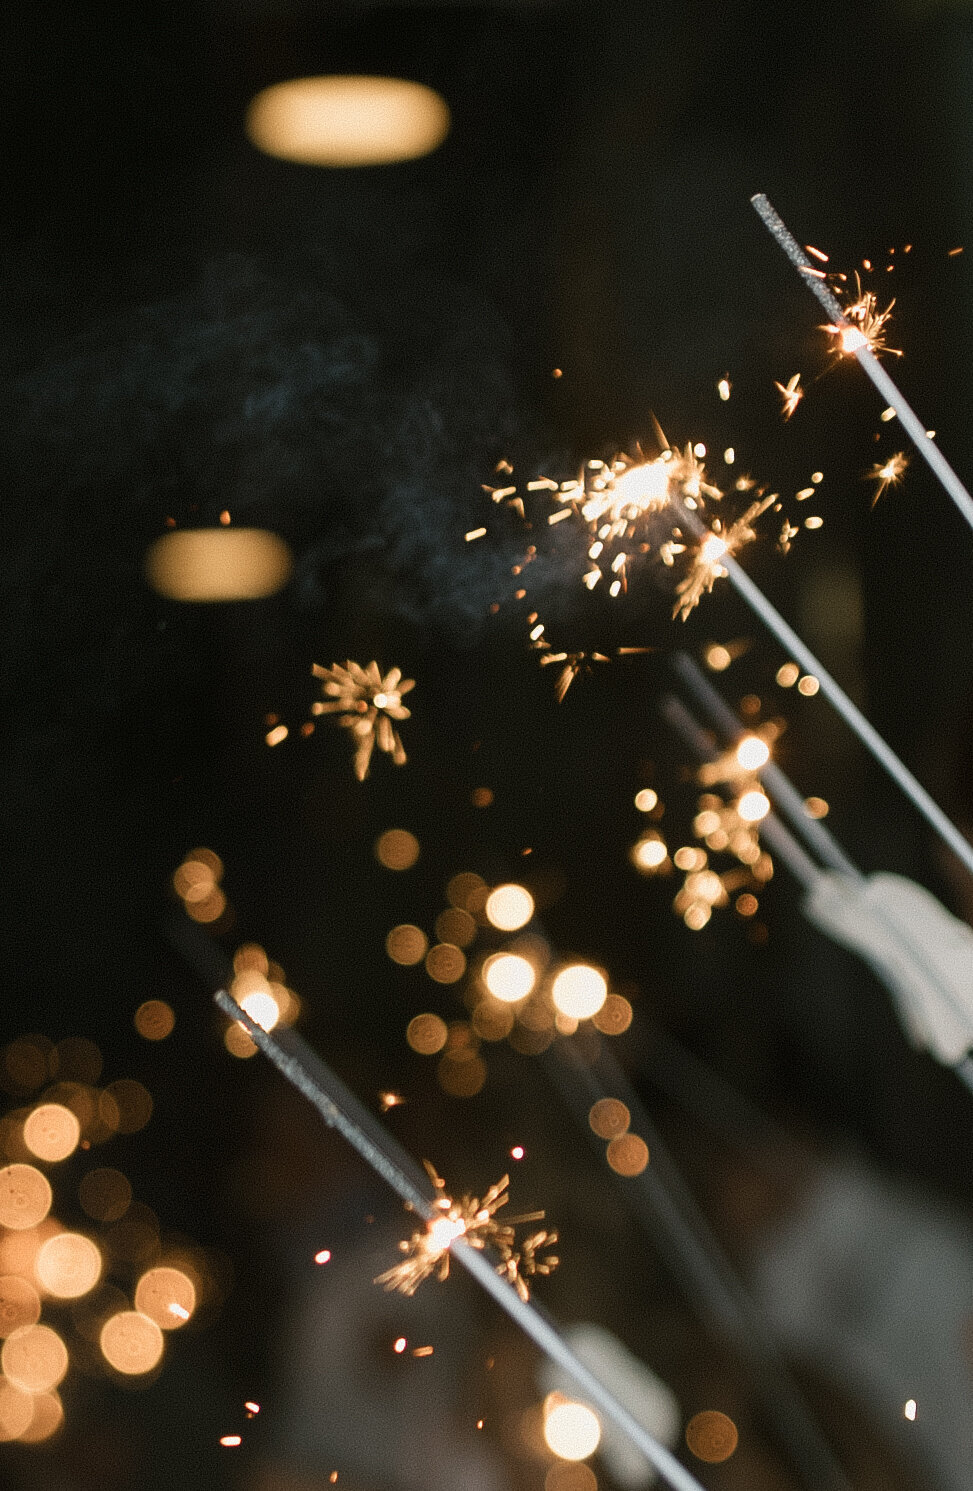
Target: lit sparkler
(707, 566)
(865, 354)
(427, 1251)
(366, 704)
(887, 474)
(862, 326)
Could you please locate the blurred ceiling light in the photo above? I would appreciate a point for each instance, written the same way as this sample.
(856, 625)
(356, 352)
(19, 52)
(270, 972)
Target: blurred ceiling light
(218, 564)
(347, 121)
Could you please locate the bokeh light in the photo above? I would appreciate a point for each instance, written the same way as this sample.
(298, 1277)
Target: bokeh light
(261, 1006)
(615, 1015)
(218, 564)
(492, 1020)
(509, 977)
(788, 675)
(456, 926)
(46, 1418)
(752, 753)
(347, 121)
(131, 1343)
(816, 807)
(808, 685)
(25, 1196)
(154, 1020)
(167, 1296)
(16, 1411)
(570, 1475)
(467, 891)
(571, 1430)
(426, 1034)
(509, 907)
(609, 1117)
(105, 1194)
(27, 1064)
(397, 849)
(51, 1132)
(646, 800)
(133, 1103)
(406, 944)
(18, 1250)
(718, 657)
(579, 991)
(648, 853)
(68, 1265)
(238, 1043)
(627, 1154)
(20, 1304)
(34, 1358)
(712, 1436)
(753, 806)
(461, 1078)
(445, 963)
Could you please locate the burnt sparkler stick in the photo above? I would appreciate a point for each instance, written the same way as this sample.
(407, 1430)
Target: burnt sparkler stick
(910, 421)
(837, 697)
(341, 1110)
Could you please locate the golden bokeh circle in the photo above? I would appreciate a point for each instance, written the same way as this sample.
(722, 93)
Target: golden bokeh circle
(426, 1034)
(509, 907)
(34, 1358)
(455, 925)
(509, 977)
(570, 1475)
(167, 1296)
(25, 1197)
(614, 1017)
(572, 1431)
(105, 1194)
(445, 963)
(491, 1020)
(16, 1411)
(131, 1343)
(627, 1154)
(20, 1304)
(608, 1118)
(46, 1418)
(461, 1078)
(154, 1020)
(579, 991)
(238, 1043)
(134, 1104)
(51, 1132)
(467, 891)
(712, 1436)
(68, 1265)
(397, 849)
(406, 944)
(206, 565)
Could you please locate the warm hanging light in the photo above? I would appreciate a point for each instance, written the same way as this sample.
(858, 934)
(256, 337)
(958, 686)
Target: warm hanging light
(347, 121)
(218, 564)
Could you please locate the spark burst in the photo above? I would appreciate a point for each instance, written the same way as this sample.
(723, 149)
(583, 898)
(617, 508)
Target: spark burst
(887, 474)
(865, 325)
(366, 704)
(791, 394)
(706, 567)
(427, 1251)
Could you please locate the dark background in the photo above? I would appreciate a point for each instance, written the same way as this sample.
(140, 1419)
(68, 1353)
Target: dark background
(343, 357)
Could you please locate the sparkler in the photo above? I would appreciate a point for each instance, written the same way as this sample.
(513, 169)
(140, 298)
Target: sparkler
(341, 1110)
(854, 336)
(366, 704)
(427, 1251)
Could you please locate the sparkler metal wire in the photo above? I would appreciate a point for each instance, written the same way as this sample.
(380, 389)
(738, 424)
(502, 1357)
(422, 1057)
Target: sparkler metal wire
(839, 700)
(818, 287)
(341, 1110)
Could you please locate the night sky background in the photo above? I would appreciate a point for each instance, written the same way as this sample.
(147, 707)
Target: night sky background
(344, 357)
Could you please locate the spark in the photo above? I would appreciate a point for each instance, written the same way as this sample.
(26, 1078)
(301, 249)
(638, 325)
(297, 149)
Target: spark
(252, 1408)
(389, 1100)
(887, 474)
(366, 704)
(574, 663)
(791, 394)
(427, 1251)
(324, 1256)
(231, 1441)
(864, 325)
(723, 388)
(706, 568)
(910, 1410)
